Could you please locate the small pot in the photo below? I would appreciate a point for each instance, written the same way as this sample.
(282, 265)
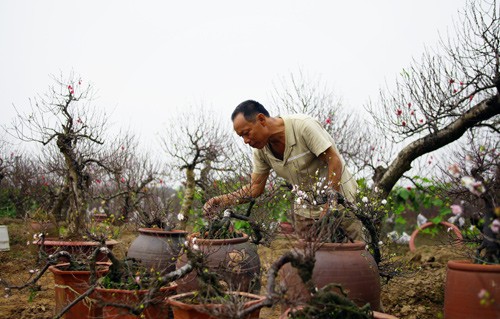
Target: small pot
(447, 225)
(376, 314)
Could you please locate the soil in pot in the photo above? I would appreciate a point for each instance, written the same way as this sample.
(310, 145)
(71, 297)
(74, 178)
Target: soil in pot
(185, 308)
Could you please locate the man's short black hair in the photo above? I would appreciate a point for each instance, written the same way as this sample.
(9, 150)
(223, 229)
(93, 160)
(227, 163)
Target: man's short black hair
(250, 109)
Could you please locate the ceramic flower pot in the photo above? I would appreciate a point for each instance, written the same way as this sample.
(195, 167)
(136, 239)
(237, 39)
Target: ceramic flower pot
(472, 290)
(156, 248)
(69, 284)
(183, 309)
(347, 264)
(235, 259)
(445, 227)
(158, 309)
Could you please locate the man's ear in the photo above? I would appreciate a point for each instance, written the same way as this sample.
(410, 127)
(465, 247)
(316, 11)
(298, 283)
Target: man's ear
(262, 119)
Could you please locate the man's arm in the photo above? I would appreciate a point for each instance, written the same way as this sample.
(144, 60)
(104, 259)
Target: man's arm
(241, 196)
(332, 159)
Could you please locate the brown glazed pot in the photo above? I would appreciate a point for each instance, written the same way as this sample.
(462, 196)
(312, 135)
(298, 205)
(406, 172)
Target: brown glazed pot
(235, 260)
(445, 225)
(158, 309)
(466, 283)
(156, 248)
(347, 264)
(184, 310)
(80, 248)
(69, 285)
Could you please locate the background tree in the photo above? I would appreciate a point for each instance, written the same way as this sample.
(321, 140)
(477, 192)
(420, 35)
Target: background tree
(444, 95)
(65, 118)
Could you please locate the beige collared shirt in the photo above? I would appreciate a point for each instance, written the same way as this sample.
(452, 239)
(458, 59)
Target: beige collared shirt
(305, 140)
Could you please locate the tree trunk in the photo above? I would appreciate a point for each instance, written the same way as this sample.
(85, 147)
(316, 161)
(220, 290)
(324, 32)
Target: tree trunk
(189, 191)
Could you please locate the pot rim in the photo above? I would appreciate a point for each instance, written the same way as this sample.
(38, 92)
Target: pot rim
(173, 286)
(468, 265)
(161, 232)
(454, 228)
(55, 270)
(356, 245)
(207, 242)
(49, 242)
(174, 302)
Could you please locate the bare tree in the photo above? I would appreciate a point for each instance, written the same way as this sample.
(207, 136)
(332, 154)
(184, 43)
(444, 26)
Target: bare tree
(445, 94)
(199, 144)
(65, 117)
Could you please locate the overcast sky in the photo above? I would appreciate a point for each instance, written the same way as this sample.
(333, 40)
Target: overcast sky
(150, 59)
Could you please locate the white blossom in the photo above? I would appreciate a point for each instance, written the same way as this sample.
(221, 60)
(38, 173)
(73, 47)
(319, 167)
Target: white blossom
(196, 247)
(383, 202)
(180, 216)
(364, 199)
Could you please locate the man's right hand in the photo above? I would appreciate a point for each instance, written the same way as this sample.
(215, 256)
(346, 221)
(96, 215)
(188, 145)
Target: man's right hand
(211, 207)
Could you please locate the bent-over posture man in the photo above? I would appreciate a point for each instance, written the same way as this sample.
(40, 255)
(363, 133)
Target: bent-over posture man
(299, 150)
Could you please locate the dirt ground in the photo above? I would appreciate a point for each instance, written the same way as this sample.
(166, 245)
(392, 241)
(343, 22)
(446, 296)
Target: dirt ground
(417, 293)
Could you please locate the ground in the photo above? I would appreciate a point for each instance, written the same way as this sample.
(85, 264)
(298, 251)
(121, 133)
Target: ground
(418, 292)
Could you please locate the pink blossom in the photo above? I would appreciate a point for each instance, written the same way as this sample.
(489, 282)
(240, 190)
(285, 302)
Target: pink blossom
(399, 112)
(404, 123)
(471, 97)
(421, 121)
(408, 188)
(98, 181)
(412, 112)
(495, 226)
(483, 294)
(328, 121)
(461, 83)
(452, 81)
(71, 91)
(454, 170)
(475, 187)
(122, 180)
(409, 105)
(456, 209)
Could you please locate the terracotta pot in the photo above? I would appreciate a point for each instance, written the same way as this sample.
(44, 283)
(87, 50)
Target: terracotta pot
(472, 290)
(48, 228)
(82, 248)
(159, 309)
(347, 264)
(376, 314)
(235, 260)
(156, 248)
(69, 285)
(184, 310)
(445, 225)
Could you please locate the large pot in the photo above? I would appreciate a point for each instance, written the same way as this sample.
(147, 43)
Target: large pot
(185, 310)
(347, 264)
(235, 260)
(156, 248)
(472, 290)
(446, 228)
(158, 309)
(69, 285)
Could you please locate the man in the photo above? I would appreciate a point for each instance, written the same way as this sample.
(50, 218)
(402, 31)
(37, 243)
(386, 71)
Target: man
(299, 150)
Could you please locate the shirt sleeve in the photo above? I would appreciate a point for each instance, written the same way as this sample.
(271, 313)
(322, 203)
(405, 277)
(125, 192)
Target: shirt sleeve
(315, 137)
(260, 165)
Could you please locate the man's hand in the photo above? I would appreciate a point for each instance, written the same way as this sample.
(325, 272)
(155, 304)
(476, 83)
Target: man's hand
(211, 207)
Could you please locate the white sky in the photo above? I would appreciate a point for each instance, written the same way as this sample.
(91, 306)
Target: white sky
(150, 59)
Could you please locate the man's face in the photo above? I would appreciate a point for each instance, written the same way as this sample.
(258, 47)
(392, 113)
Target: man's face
(253, 133)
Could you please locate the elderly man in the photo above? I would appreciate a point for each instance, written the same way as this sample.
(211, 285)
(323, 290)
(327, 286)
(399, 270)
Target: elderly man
(299, 150)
